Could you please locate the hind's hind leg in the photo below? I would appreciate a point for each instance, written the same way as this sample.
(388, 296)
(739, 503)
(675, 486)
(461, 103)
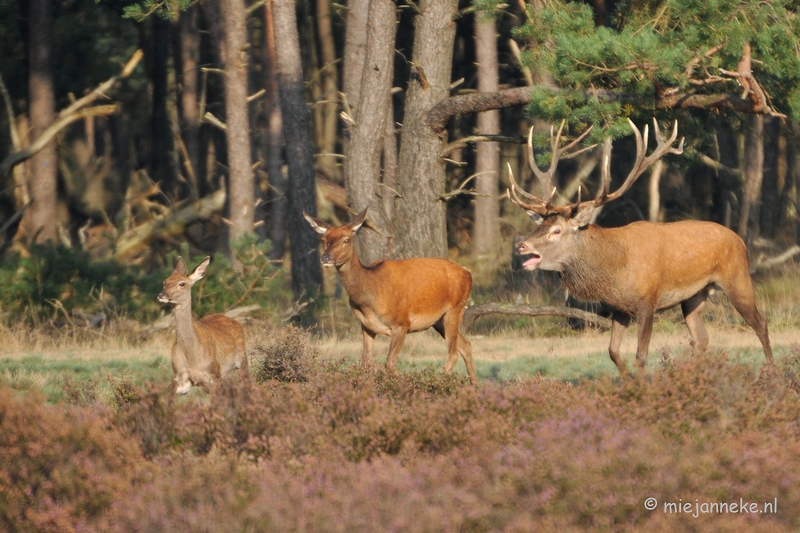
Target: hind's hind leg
(693, 315)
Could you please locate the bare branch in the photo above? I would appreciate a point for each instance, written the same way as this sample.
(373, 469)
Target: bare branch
(474, 312)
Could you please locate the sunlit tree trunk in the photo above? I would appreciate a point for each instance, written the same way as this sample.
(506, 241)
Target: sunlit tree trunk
(421, 172)
(329, 109)
(42, 218)
(487, 166)
(306, 273)
(363, 156)
(231, 31)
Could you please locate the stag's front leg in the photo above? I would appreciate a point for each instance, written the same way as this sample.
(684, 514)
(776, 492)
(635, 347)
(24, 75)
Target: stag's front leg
(619, 325)
(366, 348)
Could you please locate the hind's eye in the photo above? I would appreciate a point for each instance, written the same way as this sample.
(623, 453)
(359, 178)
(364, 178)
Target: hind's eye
(182, 283)
(347, 241)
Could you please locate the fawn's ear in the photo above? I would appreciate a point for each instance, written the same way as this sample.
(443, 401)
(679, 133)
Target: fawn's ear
(317, 225)
(180, 266)
(200, 271)
(357, 222)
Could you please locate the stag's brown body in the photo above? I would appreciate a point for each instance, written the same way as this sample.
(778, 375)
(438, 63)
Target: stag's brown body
(642, 267)
(394, 298)
(207, 349)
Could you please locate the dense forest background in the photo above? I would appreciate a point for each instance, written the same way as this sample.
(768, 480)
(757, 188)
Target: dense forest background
(134, 129)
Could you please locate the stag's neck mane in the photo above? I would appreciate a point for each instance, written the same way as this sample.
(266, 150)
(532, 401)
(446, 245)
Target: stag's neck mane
(589, 274)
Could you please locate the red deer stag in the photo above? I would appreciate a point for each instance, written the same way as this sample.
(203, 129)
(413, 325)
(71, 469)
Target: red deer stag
(206, 349)
(393, 298)
(639, 268)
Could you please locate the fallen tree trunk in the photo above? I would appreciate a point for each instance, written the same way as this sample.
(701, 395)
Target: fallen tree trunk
(472, 313)
(172, 224)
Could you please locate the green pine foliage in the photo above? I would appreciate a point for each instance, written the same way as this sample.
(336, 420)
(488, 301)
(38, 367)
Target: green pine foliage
(648, 48)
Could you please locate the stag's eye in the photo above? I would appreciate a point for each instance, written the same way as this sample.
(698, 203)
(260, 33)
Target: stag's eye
(347, 241)
(556, 231)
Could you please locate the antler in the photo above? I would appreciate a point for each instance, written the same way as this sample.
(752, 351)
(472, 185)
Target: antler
(643, 161)
(543, 206)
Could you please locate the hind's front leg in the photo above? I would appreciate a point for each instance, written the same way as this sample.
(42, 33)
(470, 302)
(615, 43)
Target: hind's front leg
(180, 367)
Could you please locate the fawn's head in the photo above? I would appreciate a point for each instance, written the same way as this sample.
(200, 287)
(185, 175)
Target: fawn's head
(178, 286)
(337, 240)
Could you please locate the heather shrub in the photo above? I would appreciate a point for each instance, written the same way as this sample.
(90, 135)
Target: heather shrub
(59, 467)
(287, 356)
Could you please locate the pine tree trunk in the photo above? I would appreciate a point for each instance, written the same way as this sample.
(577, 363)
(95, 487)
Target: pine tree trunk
(42, 219)
(363, 156)
(231, 29)
(421, 172)
(306, 273)
(189, 55)
(754, 176)
(355, 50)
(161, 143)
(329, 110)
(487, 166)
(274, 143)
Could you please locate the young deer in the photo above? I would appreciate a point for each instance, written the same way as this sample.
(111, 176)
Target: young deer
(205, 349)
(642, 267)
(393, 298)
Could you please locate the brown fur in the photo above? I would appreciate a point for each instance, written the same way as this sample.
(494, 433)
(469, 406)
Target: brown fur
(207, 349)
(394, 298)
(643, 267)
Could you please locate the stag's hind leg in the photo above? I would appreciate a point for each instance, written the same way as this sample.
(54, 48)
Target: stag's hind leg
(741, 294)
(693, 315)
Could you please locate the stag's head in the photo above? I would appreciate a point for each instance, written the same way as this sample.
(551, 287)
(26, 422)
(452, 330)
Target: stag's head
(337, 240)
(555, 240)
(177, 288)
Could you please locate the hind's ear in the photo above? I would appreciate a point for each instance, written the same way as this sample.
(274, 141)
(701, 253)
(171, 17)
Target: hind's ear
(317, 225)
(200, 271)
(180, 266)
(357, 222)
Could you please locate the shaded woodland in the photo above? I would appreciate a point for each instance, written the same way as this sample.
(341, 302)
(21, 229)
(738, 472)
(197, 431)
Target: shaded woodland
(130, 128)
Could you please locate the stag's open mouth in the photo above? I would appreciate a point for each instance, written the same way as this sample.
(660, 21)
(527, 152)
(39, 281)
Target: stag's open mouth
(533, 262)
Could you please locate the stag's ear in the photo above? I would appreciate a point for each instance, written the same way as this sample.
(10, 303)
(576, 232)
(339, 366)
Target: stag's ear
(357, 222)
(536, 217)
(200, 271)
(317, 225)
(583, 217)
(180, 266)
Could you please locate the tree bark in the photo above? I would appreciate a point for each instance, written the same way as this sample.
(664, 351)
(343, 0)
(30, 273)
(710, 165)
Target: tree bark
(363, 156)
(421, 175)
(754, 176)
(329, 108)
(274, 143)
(229, 21)
(487, 209)
(42, 219)
(189, 55)
(306, 273)
(355, 49)
(161, 141)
